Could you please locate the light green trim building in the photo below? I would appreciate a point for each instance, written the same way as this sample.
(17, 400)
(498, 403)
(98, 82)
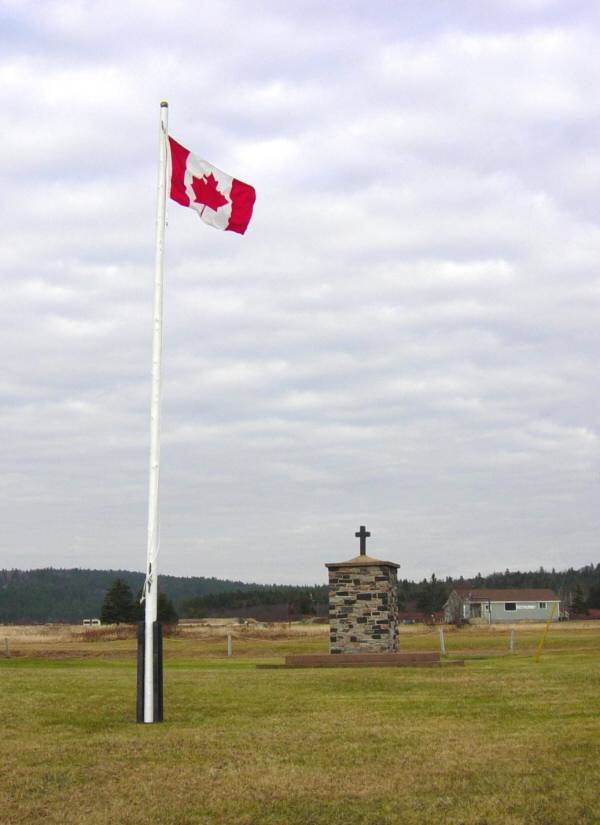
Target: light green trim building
(480, 605)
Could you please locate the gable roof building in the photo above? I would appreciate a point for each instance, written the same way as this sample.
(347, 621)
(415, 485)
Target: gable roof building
(490, 605)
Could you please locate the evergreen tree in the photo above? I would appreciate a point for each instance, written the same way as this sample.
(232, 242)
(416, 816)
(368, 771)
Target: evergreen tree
(578, 605)
(593, 600)
(165, 609)
(432, 595)
(118, 604)
(137, 609)
(166, 612)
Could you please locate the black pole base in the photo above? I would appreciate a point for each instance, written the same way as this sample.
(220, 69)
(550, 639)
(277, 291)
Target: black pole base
(157, 670)
(141, 656)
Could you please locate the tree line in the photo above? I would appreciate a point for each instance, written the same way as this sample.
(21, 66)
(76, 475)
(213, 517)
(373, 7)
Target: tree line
(58, 595)
(303, 600)
(71, 595)
(577, 589)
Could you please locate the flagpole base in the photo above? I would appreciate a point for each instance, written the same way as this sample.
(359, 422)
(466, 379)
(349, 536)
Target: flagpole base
(157, 671)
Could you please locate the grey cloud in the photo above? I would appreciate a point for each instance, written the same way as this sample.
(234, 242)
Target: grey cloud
(407, 335)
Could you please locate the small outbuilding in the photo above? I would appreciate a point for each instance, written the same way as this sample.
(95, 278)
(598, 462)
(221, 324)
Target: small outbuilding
(481, 605)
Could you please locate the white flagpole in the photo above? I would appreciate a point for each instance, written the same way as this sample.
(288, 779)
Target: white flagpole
(151, 588)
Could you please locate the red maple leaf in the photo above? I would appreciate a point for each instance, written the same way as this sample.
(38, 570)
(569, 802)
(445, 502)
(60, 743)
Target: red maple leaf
(207, 192)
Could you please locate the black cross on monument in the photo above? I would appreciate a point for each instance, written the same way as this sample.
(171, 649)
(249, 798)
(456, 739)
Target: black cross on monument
(363, 534)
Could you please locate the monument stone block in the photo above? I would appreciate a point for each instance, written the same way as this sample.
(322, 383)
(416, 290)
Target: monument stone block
(363, 603)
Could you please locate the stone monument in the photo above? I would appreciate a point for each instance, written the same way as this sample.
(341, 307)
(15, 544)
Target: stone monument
(363, 603)
(363, 618)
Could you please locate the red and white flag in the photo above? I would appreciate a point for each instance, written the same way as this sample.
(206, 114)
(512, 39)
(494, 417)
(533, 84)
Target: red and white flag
(220, 200)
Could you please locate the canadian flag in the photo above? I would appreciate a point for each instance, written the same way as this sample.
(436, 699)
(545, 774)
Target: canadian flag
(220, 200)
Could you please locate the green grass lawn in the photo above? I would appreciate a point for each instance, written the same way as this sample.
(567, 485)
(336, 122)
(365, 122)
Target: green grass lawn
(502, 740)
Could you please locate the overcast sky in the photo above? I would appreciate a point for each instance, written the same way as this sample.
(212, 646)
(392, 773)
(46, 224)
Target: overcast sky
(407, 337)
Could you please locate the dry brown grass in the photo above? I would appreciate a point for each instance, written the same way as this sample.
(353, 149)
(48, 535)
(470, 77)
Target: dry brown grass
(197, 639)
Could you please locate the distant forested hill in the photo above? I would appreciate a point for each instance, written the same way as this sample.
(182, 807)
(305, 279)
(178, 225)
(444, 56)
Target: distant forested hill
(70, 595)
(50, 594)
(269, 603)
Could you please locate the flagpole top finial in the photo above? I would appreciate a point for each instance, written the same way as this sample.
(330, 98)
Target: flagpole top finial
(164, 104)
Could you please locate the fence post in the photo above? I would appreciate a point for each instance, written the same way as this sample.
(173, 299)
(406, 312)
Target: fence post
(442, 642)
(229, 645)
(6, 647)
(511, 643)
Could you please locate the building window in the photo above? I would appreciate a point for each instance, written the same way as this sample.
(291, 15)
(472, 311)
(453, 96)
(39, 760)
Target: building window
(510, 605)
(543, 605)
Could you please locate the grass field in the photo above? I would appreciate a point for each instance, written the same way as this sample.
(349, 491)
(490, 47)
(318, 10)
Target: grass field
(502, 740)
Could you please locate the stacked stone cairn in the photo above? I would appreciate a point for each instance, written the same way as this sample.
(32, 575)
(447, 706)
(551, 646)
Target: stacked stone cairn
(363, 606)
(363, 618)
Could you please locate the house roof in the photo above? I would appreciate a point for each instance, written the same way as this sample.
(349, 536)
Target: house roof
(514, 594)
